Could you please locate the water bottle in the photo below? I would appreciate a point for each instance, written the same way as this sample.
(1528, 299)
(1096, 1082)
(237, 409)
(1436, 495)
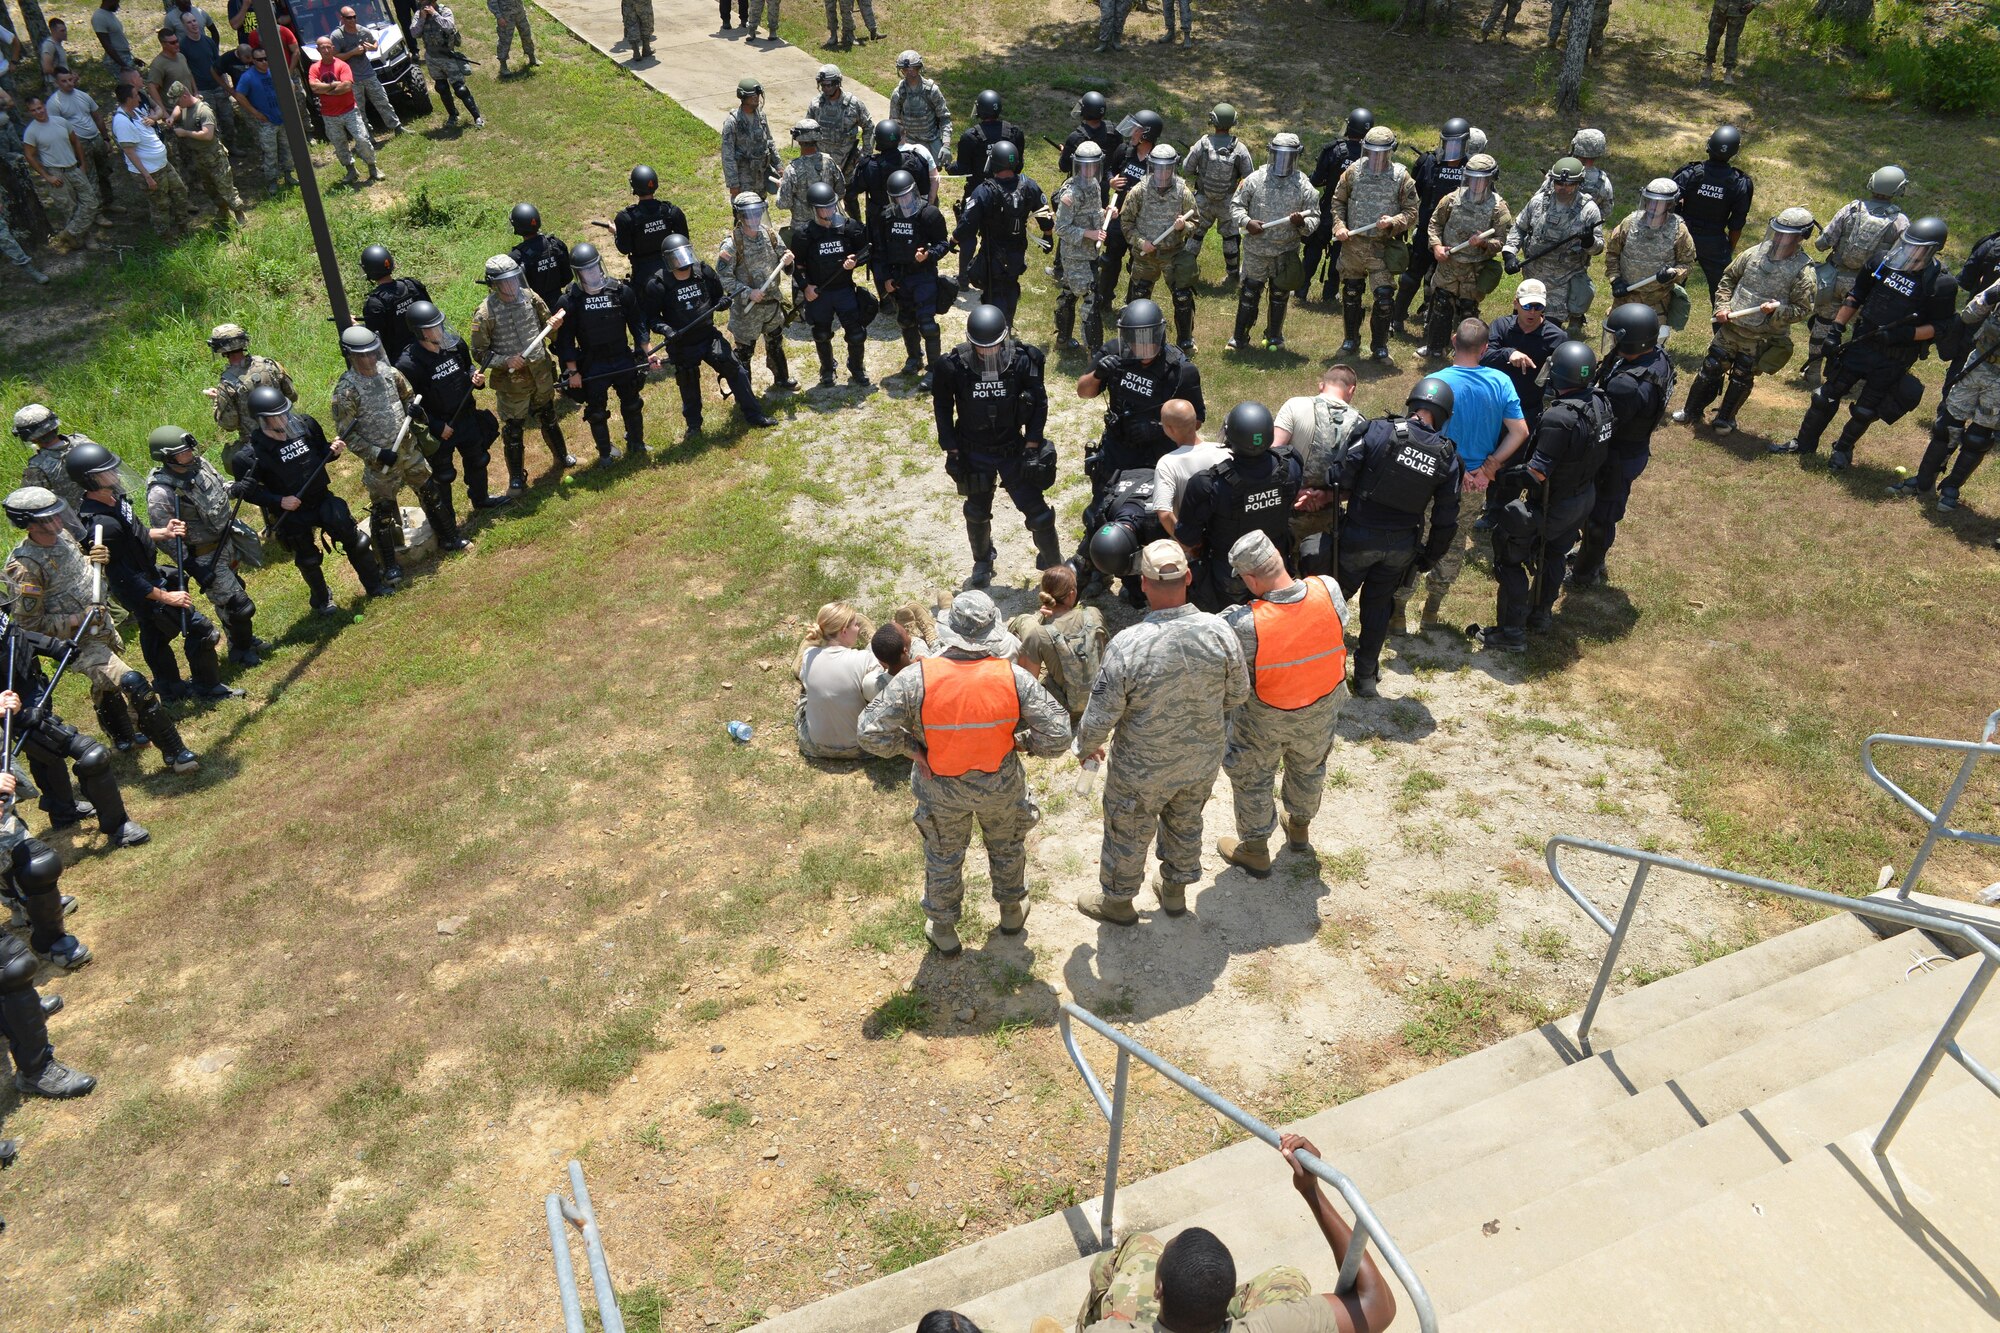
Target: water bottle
(740, 732)
(1086, 776)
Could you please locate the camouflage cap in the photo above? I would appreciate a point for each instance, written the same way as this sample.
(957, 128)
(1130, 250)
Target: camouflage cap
(1588, 143)
(1379, 138)
(909, 60)
(499, 268)
(1475, 142)
(228, 338)
(1661, 187)
(30, 503)
(1481, 164)
(176, 91)
(973, 625)
(34, 421)
(807, 128)
(1253, 553)
(746, 199)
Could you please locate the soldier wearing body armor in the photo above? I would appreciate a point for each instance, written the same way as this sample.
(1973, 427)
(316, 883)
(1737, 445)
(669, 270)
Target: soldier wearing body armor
(54, 585)
(1466, 232)
(749, 154)
(1139, 374)
(1275, 209)
(384, 310)
(1439, 172)
(1970, 415)
(1896, 311)
(1857, 239)
(811, 167)
(1554, 238)
(641, 227)
(1321, 429)
(1157, 220)
(751, 258)
(1401, 474)
(687, 293)
(1218, 162)
(605, 347)
(991, 408)
(439, 366)
(1536, 530)
(1080, 231)
(1638, 381)
(1648, 256)
(996, 216)
(510, 343)
(242, 371)
(828, 249)
(30, 870)
(286, 472)
(1764, 291)
(374, 414)
(41, 430)
(1123, 170)
(1715, 200)
(1587, 146)
(1374, 204)
(919, 106)
(186, 489)
(543, 258)
(24, 1011)
(844, 122)
(912, 237)
(1253, 492)
(1332, 164)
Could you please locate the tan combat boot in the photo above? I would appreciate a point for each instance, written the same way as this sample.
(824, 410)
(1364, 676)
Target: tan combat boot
(1014, 917)
(1098, 904)
(1298, 837)
(1253, 854)
(1432, 612)
(1173, 897)
(943, 938)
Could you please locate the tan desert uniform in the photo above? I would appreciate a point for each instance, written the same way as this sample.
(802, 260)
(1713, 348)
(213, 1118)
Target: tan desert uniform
(1457, 219)
(500, 330)
(368, 413)
(1271, 200)
(1634, 252)
(745, 263)
(1362, 197)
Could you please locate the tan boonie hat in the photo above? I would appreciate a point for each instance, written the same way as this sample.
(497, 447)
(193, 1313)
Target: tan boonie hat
(973, 624)
(1163, 561)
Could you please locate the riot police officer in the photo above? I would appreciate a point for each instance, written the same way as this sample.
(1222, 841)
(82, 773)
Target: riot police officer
(1252, 492)
(828, 249)
(912, 237)
(386, 306)
(32, 886)
(988, 129)
(1763, 292)
(643, 226)
(1122, 170)
(285, 471)
(1537, 528)
(1090, 128)
(1400, 470)
(374, 411)
(1715, 202)
(1080, 232)
(871, 178)
(186, 488)
(1858, 238)
(543, 258)
(1638, 381)
(991, 409)
(997, 215)
(1438, 172)
(1896, 312)
(1117, 525)
(1140, 374)
(1332, 163)
(604, 346)
(439, 366)
(687, 294)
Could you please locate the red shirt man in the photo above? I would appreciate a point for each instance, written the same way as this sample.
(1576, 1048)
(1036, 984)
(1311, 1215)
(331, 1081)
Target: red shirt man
(328, 72)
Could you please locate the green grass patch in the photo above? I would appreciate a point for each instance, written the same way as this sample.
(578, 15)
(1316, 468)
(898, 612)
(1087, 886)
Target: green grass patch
(1456, 1015)
(731, 1113)
(1546, 943)
(1476, 907)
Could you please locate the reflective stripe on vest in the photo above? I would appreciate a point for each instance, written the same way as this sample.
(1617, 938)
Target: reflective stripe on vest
(1301, 654)
(969, 714)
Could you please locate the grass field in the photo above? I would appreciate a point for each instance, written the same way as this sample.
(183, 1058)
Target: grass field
(477, 882)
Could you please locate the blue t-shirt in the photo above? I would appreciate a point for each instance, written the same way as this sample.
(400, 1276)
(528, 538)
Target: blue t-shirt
(258, 92)
(1483, 401)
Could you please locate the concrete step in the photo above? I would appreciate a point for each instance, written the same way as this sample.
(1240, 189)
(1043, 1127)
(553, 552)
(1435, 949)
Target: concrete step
(1053, 1242)
(1460, 1169)
(1834, 1239)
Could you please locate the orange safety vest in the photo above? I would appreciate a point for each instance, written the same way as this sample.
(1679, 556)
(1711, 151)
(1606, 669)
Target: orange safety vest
(969, 714)
(1301, 653)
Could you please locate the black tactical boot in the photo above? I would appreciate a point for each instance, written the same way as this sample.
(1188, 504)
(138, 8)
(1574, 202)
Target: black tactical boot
(775, 362)
(114, 719)
(1232, 257)
(1842, 457)
(1350, 318)
(823, 344)
(1700, 394)
(362, 561)
(1733, 398)
(1819, 413)
(173, 750)
(857, 360)
(1048, 546)
(600, 435)
(108, 803)
(552, 436)
(1065, 321)
(382, 534)
(979, 532)
(1093, 325)
(933, 353)
(1274, 328)
(206, 668)
(444, 523)
(318, 595)
(47, 935)
(1399, 313)
(913, 353)
(516, 454)
(1378, 331)
(1183, 302)
(1246, 315)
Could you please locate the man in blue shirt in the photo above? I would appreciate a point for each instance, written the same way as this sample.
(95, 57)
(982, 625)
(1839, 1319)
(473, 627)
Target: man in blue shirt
(257, 98)
(1487, 427)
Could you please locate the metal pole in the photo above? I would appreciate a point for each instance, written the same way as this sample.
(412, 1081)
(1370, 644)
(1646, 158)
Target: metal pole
(1947, 1035)
(608, 1312)
(1350, 1267)
(1610, 958)
(572, 1302)
(1117, 1140)
(292, 99)
(1939, 823)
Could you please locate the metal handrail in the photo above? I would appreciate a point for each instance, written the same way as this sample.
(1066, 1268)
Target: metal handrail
(584, 1218)
(1935, 820)
(1366, 1225)
(1902, 913)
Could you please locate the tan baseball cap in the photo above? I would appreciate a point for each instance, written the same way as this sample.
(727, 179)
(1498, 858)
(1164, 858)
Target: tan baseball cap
(1163, 561)
(1532, 292)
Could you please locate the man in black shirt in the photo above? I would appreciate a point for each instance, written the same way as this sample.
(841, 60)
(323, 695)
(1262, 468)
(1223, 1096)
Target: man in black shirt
(911, 237)
(387, 306)
(1438, 172)
(283, 468)
(828, 249)
(685, 296)
(1140, 373)
(604, 346)
(1521, 343)
(1638, 380)
(544, 259)
(439, 367)
(1335, 158)
(1715, 202)
(1252, 492)
(1090, 127)
(640, 228)
(991, 408)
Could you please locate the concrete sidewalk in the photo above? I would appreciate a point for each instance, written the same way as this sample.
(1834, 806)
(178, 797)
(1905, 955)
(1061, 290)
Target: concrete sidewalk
(698, 66)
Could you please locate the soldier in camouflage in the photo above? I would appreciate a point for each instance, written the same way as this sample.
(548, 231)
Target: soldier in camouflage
(186, 486)
(199, 135)
(1157, 218)
(505, 344)
(373, 414)
(1559, 16)
(1725, 19)
(1275, 208)
(637, 18)
(1858, 237)
(1764, 291)
(1587, 146)
(1080, 224)
(840, 23)
(1125, 1290)
(845, 125)
(1503, 13)
(242, 372)
(1649, 255)
(751, 253)
(749, 156)
(809, 168)
(1374, 204)
(1970, 417)
(960, 717)
(1218, 163)
(1467, 229)
(510, 17)
(761, 10)
(1166, 688)
(436, 30)
(38, 427)
(1553, 240)
(919, 106)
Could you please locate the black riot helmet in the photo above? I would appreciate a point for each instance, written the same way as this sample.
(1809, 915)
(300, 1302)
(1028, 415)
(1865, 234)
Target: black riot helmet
(422, 315)
(1090, 107)
(377, 262)
(1114, 551)
(821, 196)
(1432, 393)
(584, 255)
(1633, 328)
(1002, 156)
(1247, 431)
(986, 330)
(903, 194)
(1142, 330)
(1359, 122)
(1147, 124)
(267, 400)
(85, 461)
(986, 106)
(1917, 246)
(1572, 366)
(1725, 143)
(526, 220)
(644, 180)
(679, 251)
(1453, 138)
(888, 135)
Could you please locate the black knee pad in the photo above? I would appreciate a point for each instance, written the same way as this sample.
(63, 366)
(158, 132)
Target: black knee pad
(1862, 412)
(513, 432)
(18, 966)
(545, 417)
(1384, 295)
(134, 686)
(307, 557)
(36, 867)
(1826, 402)
(1353, 287)
(1713, 360)
(92, 760)
(1978, 439)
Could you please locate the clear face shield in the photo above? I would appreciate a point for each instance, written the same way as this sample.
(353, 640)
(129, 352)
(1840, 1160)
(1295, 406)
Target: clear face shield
(366, 364)
(1785, 244)
(508, 289)
(1142, 343)
(592, 277)
(1284, 161)
(1453, 149)
(681, 257)
(1658, 210)
(1378, 160)
(273, 423)
(1127, 125)
(1088, 168)
(1908, 256)
(1160, 175)
(908, 203)
(183, 459)
(750, 217)
(110, 479)
(432, 335)
(1478, 185)
(991, 357)
(827, 215)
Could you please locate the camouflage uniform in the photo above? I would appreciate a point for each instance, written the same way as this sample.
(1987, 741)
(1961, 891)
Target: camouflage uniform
(1145, 215)
(1122, 1283)
(760, 10)
(1079, 208)
(232, 392)
(844, 126)
(745, 263)
(1457, 219)
(166, 202)
(1559, 23)
(924, 115)
(1726, 18)
(749, 156)
(1166, 688)
(1858, 238)
(510, 17)
(1270, 199)
(1261, 737)
(1218, 163)
(368, 411)
(1335, 425)
(200, 498)
(1752, 278)
(1974, 397)
(500, 329)
(1359, 199)
(208, 160)
(948, 807)
(1634, 252)
(1545, 221)
(638, 19)
(1511, 9)
(801, 174)
(45, 468)
(840, 21)
(1069, 649)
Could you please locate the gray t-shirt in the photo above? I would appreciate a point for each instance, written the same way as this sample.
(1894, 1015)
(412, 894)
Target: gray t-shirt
(347, 45)
(50, 140)
(835, 679)
(108, 26)
(78, 108)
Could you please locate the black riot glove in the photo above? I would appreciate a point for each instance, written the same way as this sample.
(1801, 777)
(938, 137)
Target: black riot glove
(1834, 333)
(1665, 276)
(238, 489)
(1511, 262)
(1619, 288)
(386, 459)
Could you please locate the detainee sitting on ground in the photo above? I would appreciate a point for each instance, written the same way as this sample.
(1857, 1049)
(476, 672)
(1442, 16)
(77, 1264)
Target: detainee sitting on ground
(832, 673)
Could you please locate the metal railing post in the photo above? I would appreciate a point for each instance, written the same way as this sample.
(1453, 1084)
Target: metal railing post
(1117, 1143)
(1350, 1267)
(1938, 825)
(1618, 934)
(572, 1301)
(1945, 1041)
(593, 1251)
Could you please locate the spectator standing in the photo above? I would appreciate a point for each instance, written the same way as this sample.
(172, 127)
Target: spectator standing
(333, 83)
(55, 52)
(352, 43)
(110, 30)
(61, 180)
(138, 139)
(257, 99)
(93, 131)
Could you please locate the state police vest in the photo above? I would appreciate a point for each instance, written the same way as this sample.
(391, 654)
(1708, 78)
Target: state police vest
(1586, 421)
(683, 297)
(442, 378)
(825, 249)
(990, 409)
(1404, 476)
(901, 239)
(600, 318)
(1636, 435)
(544, 265)
(1708, 196)
(1252, 496)
(1895, 296)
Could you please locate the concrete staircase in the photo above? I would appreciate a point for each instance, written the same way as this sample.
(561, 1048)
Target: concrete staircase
(1709, 1168)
